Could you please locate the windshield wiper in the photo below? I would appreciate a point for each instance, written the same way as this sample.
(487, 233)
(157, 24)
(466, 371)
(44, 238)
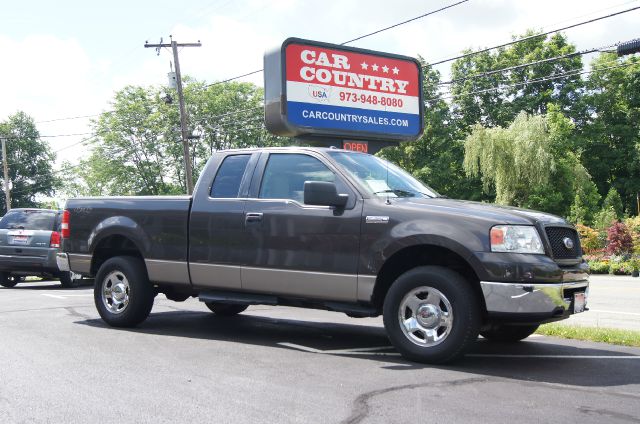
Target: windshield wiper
(397, 191)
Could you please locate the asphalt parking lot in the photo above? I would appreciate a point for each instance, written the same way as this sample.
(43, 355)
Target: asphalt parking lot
(60, 363)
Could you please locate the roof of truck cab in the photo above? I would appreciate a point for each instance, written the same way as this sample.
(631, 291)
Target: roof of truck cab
(295, 148)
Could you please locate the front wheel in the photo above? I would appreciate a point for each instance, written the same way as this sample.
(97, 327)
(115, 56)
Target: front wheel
(122, 293)
(508, 333)
(431, 314)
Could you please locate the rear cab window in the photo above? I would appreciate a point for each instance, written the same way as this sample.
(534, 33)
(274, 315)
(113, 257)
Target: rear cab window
(228, 179)
(29, 220)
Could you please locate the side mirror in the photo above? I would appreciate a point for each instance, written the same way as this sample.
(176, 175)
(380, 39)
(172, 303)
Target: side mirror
(323, 193)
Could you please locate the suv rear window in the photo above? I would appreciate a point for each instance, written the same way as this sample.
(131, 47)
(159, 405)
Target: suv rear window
(28, 220)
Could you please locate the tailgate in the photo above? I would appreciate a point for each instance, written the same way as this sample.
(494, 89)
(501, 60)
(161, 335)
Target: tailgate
(19, 242)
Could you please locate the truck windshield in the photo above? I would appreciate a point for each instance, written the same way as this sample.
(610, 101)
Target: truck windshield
(379, 177)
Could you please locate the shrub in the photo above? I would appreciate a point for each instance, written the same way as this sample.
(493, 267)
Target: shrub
(634, 228)
(619, 268)
(605, 218)
(619, 241)
(599, 267)
(589, 239)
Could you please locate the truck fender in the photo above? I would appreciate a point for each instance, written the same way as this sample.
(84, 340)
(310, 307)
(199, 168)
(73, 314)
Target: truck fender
(123, 226)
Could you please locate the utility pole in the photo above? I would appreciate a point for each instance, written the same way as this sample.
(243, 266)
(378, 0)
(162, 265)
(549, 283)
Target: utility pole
(7, 194)
(183, 113)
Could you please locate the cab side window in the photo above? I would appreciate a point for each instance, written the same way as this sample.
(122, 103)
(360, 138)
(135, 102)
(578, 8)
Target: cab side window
(227, 182)
(285, 175)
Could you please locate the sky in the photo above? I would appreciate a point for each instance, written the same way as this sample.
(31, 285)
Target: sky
(67, 58)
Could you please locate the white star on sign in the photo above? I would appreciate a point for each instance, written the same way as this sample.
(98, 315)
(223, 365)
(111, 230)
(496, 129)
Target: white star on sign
(395, 70)
(385, 69)
(364, 65)
(374, 67)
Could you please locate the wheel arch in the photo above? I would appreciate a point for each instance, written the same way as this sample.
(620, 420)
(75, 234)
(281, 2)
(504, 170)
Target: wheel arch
(111, 246)
(424, 254)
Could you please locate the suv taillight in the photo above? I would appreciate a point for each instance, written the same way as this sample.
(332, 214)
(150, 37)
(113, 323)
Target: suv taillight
(55, 239)
(64, 226)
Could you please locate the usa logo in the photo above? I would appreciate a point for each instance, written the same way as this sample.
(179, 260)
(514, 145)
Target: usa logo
(319, 94)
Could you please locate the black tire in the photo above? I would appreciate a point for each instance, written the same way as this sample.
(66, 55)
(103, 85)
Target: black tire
(8, 280)
(118, 275)
(70, 280)
(226, 309)
(508, 333)
(455, 337)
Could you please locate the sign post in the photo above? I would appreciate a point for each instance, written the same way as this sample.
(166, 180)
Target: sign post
(350, 98)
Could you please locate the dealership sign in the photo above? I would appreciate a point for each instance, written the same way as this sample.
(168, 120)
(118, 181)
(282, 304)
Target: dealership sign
(324, 90)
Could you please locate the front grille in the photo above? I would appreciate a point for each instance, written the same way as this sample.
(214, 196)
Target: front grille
(556, 237)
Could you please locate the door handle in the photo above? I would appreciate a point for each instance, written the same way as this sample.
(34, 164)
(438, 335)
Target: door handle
(252, 217)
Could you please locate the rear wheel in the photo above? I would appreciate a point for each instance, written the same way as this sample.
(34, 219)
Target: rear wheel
(8, 280)
(431, 314)
(122, 293)
(508, 333)
(225, 309)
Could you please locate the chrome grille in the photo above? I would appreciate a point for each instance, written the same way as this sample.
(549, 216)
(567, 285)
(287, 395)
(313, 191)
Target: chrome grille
(556, 236)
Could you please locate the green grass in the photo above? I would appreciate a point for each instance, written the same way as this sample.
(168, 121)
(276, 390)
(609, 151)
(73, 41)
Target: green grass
(593, 334)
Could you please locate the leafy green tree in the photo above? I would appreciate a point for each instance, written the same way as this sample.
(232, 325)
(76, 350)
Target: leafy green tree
(29, 160)
(614, 202)
(527, 89)
(611, 131)
(138, 148)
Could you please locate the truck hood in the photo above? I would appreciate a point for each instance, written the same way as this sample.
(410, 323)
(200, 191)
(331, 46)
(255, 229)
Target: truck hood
(481, 211)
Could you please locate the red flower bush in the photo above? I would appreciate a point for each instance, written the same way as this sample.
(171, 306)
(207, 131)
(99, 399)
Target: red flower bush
(619, 241)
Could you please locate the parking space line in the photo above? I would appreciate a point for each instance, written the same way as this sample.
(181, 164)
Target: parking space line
(354, 351)
(497, 355)
(64, 296)
(615, 312)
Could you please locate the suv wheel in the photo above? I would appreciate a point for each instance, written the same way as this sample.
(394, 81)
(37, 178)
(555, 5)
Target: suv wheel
(431, 314)
(70, 279)
(122, 293)
(8, 280)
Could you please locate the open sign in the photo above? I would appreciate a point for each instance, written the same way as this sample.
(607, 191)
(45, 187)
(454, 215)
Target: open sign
(356, 146)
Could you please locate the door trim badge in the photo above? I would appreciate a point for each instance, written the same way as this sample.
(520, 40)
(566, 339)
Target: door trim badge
(377, 219)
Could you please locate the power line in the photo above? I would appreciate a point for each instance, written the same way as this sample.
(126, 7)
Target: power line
(524, 65)
(535, 81)
(405, 22)
(543, 34)
(71, 117)
(355, 39)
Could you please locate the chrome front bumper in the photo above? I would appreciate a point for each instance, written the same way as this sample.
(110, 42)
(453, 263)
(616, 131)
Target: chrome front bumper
(63, 262)
(531, 299)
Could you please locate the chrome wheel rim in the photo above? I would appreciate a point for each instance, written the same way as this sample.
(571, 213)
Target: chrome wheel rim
(425, 316)
(115, 292)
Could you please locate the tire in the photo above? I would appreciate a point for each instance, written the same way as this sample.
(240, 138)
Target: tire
(509, 333)
(439, 311)
(7, 280)
(226, 309)
(70, 280)
(122, 292)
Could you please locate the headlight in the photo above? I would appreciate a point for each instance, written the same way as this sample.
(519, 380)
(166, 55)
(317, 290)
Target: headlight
(515, 239)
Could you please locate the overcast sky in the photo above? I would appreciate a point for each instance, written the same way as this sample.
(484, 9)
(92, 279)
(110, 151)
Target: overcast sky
(67, 58)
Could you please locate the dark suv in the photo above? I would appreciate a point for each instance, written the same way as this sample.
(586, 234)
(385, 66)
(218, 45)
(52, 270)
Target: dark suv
(29, 241)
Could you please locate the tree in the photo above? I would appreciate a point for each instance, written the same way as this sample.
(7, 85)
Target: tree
(614, 202)
(436, 157)
(29, 160)
(527, 89)
(611, 131)
(137, 149)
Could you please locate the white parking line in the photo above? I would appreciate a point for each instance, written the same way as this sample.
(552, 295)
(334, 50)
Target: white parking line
(491, 355)
(615, 312)
(65, 296)
(354, 351)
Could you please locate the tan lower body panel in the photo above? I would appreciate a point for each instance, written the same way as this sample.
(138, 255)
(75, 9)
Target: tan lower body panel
(215, 276)
(317, 285)
(80, 264)
(174, 272)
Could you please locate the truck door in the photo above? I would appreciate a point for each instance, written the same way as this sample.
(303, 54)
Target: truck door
(217, 236)
(297, 249)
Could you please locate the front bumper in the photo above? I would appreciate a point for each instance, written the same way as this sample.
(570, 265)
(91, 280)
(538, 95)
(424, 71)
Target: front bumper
(522, 302)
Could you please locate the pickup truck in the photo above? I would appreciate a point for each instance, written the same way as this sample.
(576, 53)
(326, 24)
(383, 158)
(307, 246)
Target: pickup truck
(331, 229)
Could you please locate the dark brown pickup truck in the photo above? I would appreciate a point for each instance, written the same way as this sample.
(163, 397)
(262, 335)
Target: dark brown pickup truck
(330, 229)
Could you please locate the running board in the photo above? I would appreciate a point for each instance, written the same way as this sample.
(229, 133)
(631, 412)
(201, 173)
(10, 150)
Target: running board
(238, 298)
